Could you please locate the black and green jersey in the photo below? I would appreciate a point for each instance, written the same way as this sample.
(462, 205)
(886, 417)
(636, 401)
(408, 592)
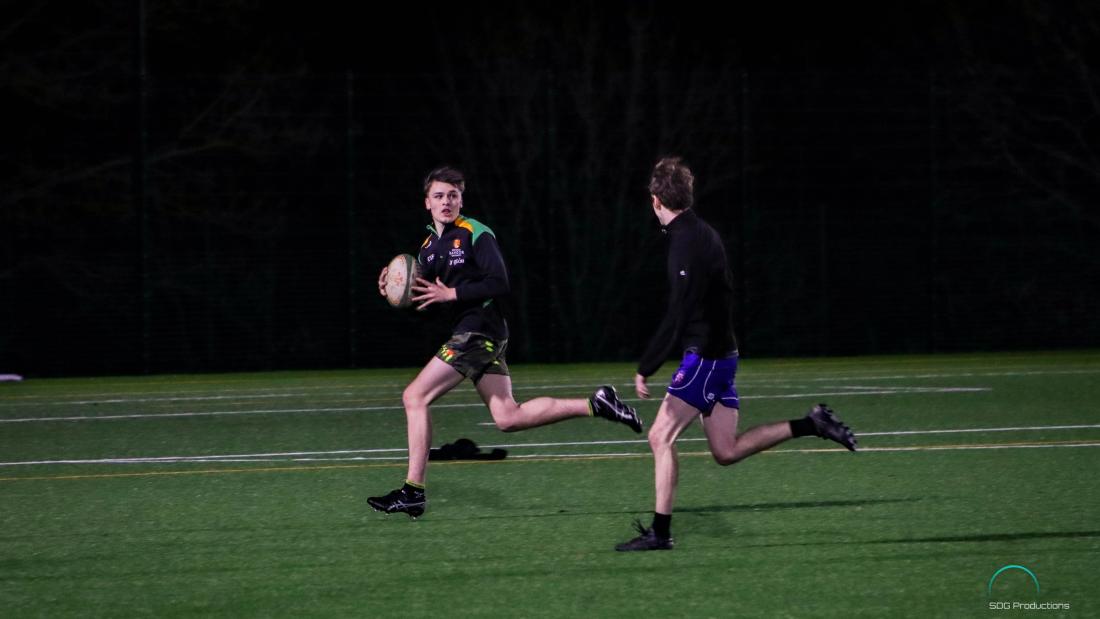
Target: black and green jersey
(466, 257)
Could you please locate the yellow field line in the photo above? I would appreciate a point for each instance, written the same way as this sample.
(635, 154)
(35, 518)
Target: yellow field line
(268, 469)
(556, 458)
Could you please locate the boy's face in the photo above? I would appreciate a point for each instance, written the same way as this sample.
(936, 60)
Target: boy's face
(444, 200)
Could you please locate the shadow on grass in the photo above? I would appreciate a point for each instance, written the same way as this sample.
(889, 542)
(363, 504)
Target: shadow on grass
(702, 509)
(520, 514)
(989, 537)
(945, 539)
(751, 507)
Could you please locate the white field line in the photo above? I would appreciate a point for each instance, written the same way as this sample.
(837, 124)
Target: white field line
(927, 376)
(206, 398)
(880, 391)
(954, 447)
(364, 391)
(528, 385)
(642, 454)
(637, 454)
(276, 392)
(153, 396)
(267, 411)
(273, 411)
(858, 435)
(346, 454)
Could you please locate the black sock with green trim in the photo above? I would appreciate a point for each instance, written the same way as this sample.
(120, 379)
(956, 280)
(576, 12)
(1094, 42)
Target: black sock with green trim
(412, 487)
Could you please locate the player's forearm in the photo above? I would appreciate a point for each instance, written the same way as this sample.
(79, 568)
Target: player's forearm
(659, 348)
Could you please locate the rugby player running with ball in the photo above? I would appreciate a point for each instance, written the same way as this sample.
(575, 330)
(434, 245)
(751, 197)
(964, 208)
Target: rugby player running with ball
(463, 270)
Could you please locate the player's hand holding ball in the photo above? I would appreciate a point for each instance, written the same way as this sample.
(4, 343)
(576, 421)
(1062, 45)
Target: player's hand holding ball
(382, 281)
(396, 279)
(432, 292)
(400, 279)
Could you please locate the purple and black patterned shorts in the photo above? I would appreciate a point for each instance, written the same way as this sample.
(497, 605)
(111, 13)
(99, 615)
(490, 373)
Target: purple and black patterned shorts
(703, 383)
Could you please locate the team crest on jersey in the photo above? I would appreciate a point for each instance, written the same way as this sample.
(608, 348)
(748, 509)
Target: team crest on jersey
(457, 255)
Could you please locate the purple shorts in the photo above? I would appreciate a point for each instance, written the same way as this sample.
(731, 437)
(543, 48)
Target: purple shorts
(703, 383)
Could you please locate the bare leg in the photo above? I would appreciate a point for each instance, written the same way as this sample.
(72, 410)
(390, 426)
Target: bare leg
(436, 379)
(673, 418)
(727, 447)
(496, 392)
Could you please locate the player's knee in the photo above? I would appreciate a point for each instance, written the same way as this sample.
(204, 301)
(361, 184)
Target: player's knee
(413, 398)
(506, 418)
(726, 455)
(659, 440)
(726, 458)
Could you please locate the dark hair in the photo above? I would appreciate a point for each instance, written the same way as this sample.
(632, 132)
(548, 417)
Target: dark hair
(445, 174)
(673, 184)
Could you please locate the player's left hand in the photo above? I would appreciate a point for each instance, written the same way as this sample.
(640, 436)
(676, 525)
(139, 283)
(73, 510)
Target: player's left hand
(432, 292)
(382, 280)
(640, 387)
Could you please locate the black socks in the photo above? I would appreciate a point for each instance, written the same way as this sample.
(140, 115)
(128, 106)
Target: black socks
(661, 525)
(802, 427)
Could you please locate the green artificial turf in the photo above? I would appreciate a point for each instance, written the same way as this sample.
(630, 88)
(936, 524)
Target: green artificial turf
(244, 495)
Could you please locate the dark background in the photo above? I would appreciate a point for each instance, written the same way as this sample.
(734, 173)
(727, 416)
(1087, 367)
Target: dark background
(214, 185)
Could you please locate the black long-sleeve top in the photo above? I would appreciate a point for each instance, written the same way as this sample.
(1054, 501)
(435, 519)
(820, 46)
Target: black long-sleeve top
(466, 257)
(700, 303)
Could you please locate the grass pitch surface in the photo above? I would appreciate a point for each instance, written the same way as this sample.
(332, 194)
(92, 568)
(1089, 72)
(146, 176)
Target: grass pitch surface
(244, 495)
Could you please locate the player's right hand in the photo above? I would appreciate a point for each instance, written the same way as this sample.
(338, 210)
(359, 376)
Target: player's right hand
(640, 387)
(382, 280)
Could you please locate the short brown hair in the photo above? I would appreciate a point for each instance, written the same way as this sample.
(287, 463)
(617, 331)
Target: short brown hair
(673, 184)
(445, 174)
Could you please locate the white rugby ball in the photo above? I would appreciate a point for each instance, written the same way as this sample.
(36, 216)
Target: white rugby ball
(402, 273)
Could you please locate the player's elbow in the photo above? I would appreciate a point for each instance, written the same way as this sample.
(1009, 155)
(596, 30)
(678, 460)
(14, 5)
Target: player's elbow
(500, 287)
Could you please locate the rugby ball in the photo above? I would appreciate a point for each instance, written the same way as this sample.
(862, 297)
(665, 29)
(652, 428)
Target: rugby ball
(400, 277)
